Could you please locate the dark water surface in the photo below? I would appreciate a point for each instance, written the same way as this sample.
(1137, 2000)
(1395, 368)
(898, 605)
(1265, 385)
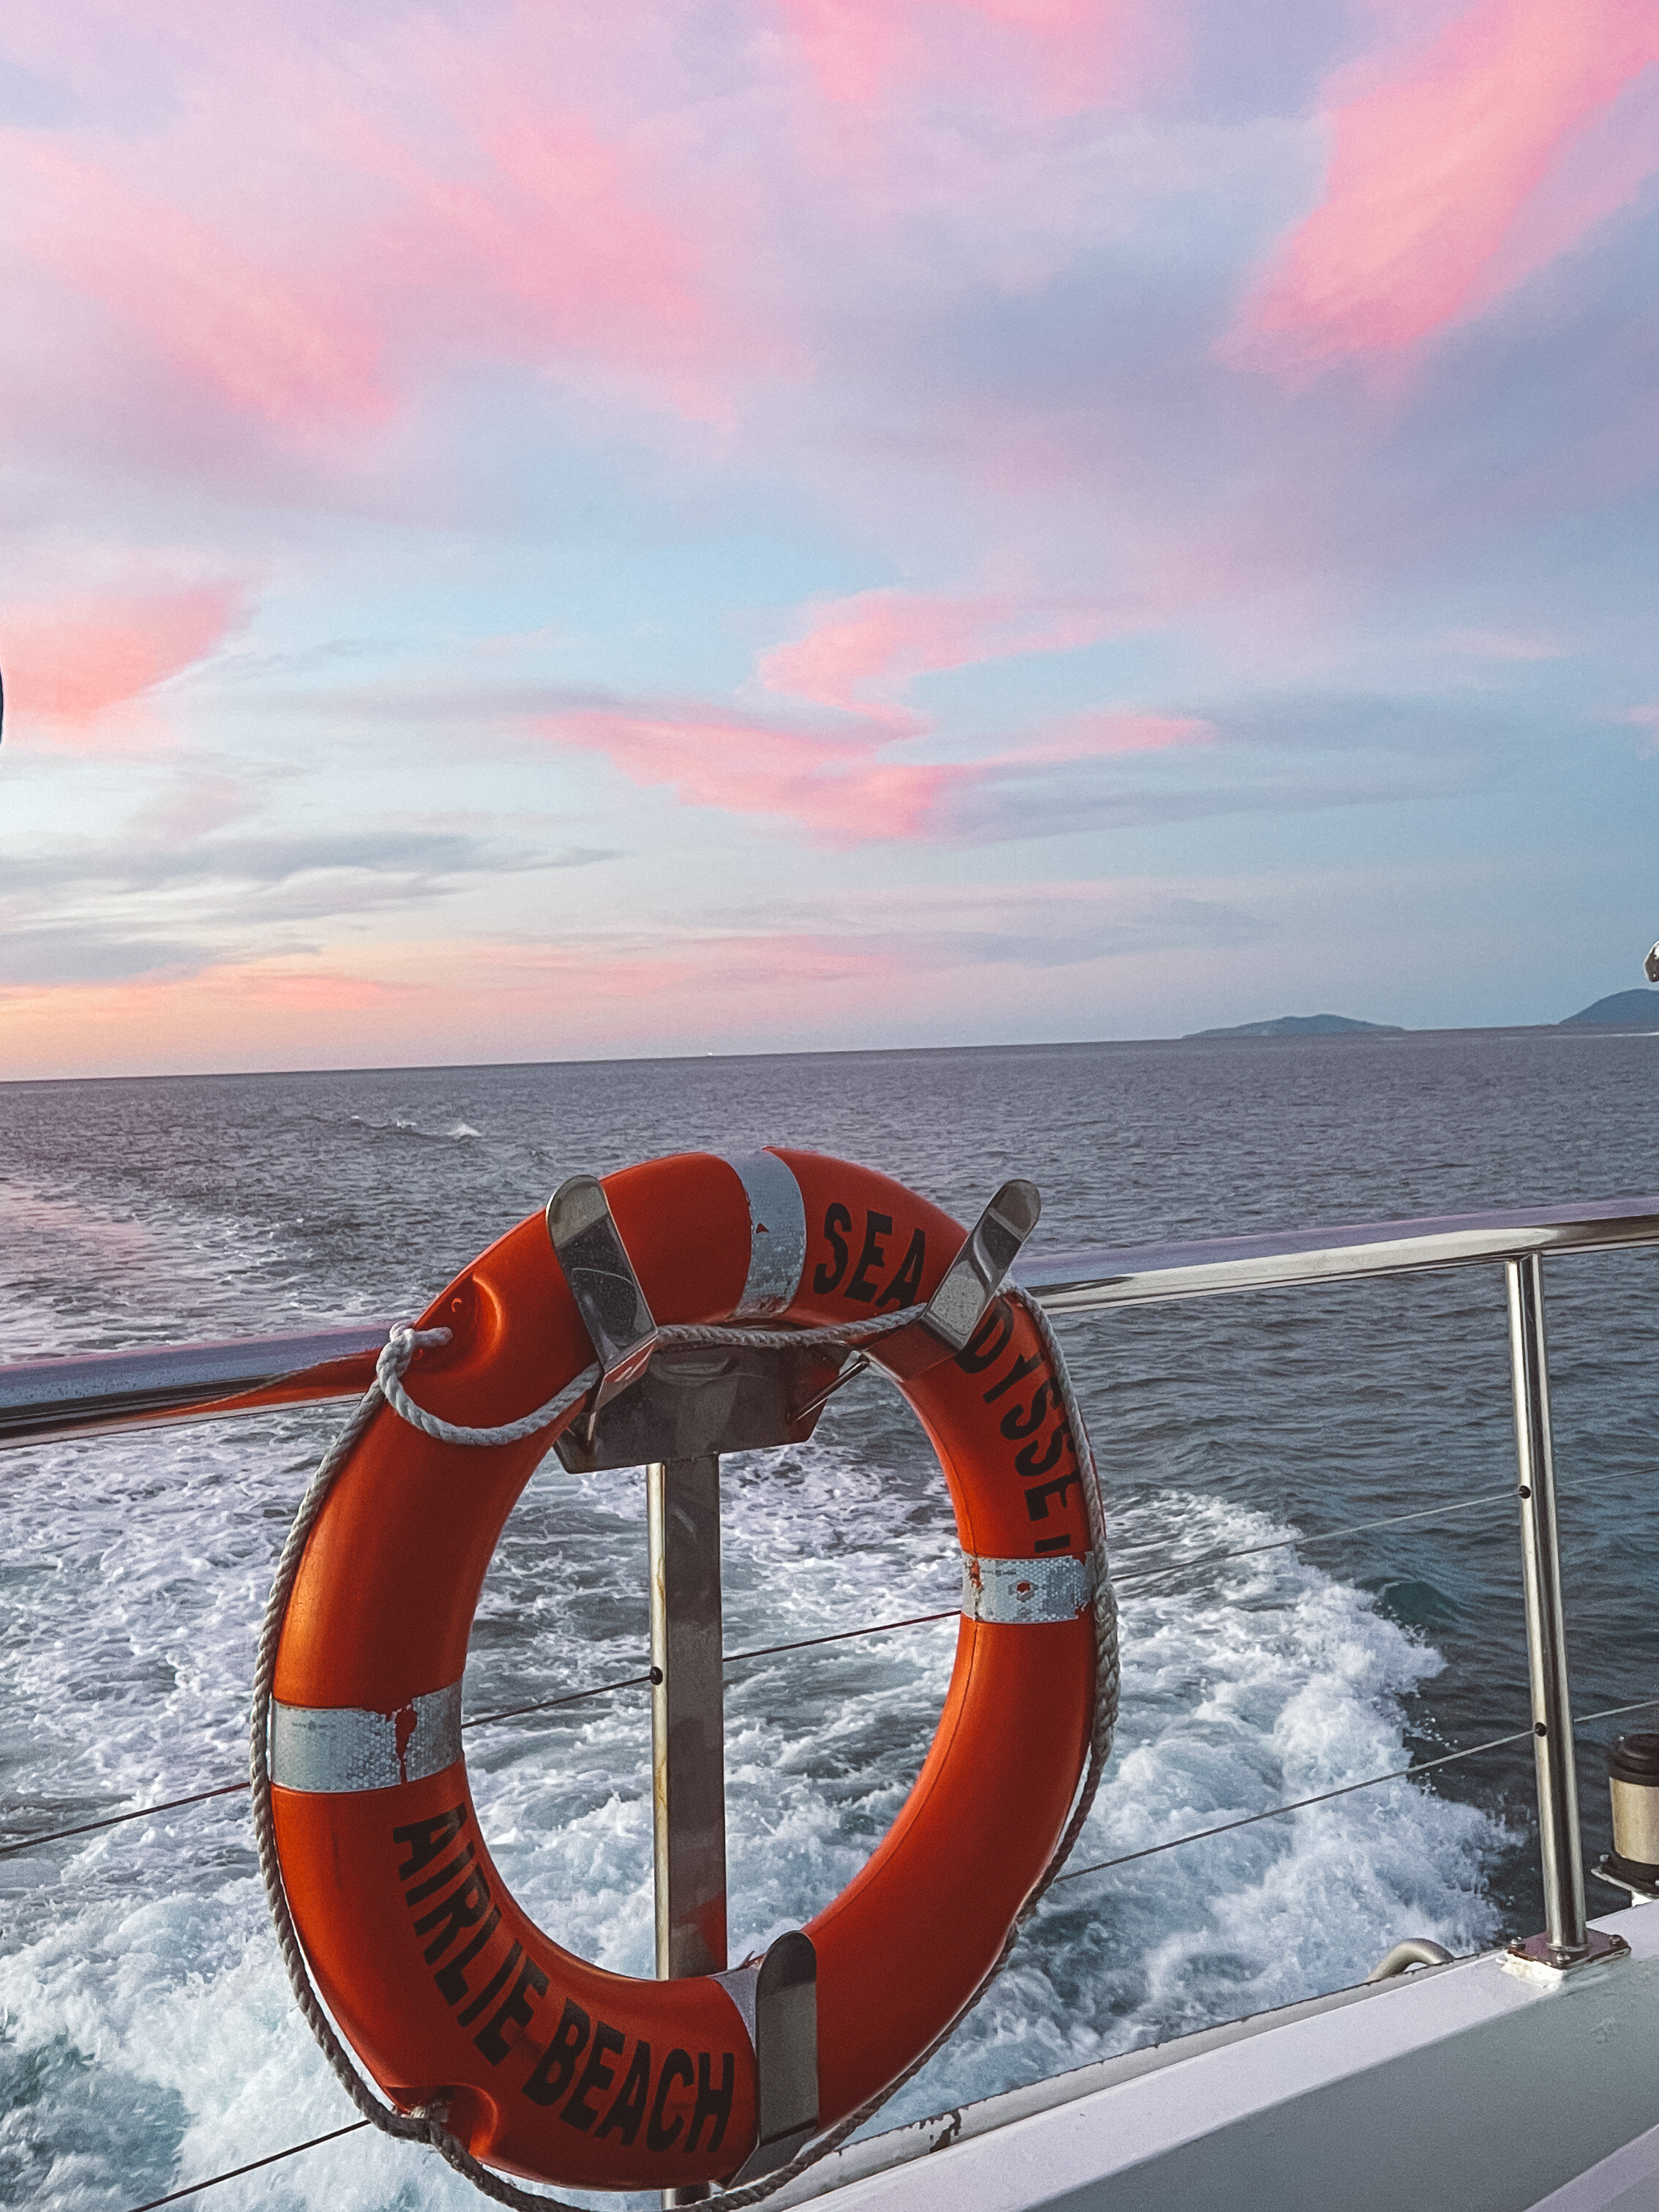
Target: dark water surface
(146, 2038)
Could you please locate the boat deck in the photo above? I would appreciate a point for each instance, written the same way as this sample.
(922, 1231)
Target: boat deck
(1467, 2087)
(1626, 2182)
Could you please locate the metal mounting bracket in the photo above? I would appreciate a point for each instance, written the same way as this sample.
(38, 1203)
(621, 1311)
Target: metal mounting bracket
(946, 1324)
(656, 1404)
(778, 1999)
(1537, 1959)
(596, 1265)
(689, 1402)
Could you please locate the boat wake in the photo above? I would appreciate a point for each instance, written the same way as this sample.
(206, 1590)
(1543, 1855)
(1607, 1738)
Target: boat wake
(150, 2036)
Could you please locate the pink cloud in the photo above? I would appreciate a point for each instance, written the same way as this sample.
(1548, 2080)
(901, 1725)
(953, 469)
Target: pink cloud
(541, 238)
(1432, 169)
(68, 662)
(1102, 734)
(842, 790)
(1063, 54)
(842, 785)
(289, 348)
(1597, 173)
(310, 245)
(859, 651)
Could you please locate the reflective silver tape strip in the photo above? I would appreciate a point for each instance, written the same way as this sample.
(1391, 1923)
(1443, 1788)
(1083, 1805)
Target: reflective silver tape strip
(335, 1748)
(777, 1234)
(1007, 1590)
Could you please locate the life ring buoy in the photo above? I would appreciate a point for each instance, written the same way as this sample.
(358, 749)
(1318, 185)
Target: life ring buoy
(544, 2065)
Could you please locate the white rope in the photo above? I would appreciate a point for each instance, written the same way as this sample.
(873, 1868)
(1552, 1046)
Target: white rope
(428, 2126)
(404, 1342)
(393, 1362)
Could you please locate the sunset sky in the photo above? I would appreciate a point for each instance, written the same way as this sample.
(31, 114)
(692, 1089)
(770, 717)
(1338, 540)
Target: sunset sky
(561, 530)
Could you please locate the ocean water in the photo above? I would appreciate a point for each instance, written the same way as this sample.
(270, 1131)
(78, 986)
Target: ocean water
(146, 2035)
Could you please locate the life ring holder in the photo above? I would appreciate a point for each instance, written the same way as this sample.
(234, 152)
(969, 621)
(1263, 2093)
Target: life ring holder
(427, 2124)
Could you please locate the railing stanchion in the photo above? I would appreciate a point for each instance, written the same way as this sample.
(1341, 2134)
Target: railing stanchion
(688, 1725)
(1566, 1931)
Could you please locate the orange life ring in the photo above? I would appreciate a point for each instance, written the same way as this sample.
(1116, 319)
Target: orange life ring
(548, 2067)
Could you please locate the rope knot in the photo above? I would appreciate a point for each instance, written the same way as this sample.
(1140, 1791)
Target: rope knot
(405, 1340)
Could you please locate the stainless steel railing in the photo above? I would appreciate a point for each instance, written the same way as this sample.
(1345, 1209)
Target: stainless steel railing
(44, 1400)
(1091, 1281)
(51, 1400)
(48, 1401)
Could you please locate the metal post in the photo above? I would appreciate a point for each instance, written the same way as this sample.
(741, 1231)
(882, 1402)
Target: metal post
(1566, 1934)
(688, 1727)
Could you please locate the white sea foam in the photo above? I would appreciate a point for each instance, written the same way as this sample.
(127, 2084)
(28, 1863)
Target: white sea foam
(403, 1125)
(78, 1273)
(150, 2038)
(84, 1274)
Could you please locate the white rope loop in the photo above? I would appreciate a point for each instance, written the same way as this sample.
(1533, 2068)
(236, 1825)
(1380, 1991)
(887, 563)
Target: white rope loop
(388, 1389)
(394, 1363)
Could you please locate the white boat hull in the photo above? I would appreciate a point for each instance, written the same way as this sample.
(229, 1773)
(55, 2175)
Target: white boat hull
(1459, 2088)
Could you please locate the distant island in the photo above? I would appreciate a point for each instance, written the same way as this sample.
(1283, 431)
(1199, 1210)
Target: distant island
(1299, 1025)
(1625, 1010)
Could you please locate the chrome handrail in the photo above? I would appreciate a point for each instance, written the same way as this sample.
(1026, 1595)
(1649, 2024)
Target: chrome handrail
(47, 1400)
(1090, 1281)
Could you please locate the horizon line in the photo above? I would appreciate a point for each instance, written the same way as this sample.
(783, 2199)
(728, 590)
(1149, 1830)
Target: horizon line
(1389, 1031)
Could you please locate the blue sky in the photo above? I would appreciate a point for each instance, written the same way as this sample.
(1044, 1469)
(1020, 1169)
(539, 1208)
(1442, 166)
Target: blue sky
(533, 534)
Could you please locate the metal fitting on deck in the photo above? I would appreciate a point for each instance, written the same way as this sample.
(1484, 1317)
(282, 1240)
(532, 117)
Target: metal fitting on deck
(1415, 1951)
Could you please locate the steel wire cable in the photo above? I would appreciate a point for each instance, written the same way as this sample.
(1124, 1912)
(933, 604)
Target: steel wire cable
(1131, 1581)
(1344, 1789)
(487, 1720)
(1075, 1874)
(235, 2173)
(1295, 1805)
(1134, 1576)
